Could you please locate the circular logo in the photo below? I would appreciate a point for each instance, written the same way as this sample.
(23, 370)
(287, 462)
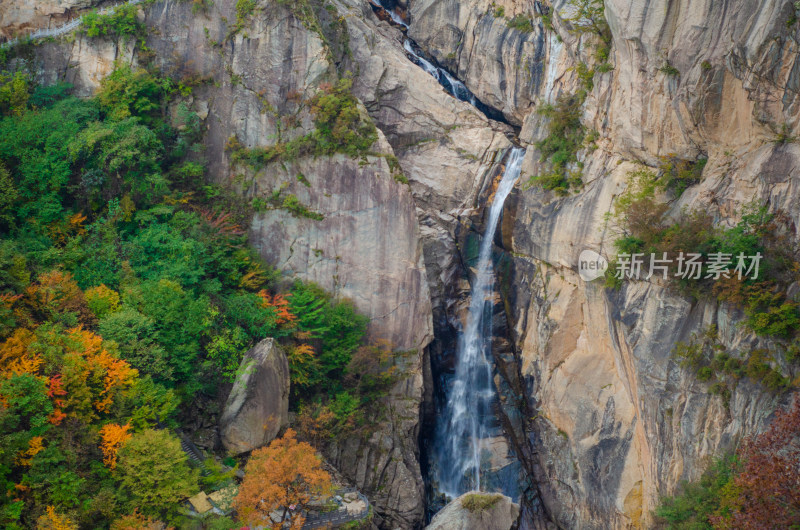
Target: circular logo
(591, 265)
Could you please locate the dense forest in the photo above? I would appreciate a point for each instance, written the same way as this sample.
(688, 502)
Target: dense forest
(129, 294)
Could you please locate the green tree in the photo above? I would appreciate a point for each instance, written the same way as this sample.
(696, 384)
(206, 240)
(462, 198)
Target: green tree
(22, 418)
(123, 22)
(13, 93)
(128, 92)
(120, 157)
(696, 502)
(8, 197)
(180, 320)
(35, 149)
(345, 333)
(248, 311)
(160, 250)
(149, 404)
(135, 335)
(308, 302)
(153, 471)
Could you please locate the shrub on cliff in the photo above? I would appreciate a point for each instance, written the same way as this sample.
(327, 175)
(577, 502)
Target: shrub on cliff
(695, 503)
(480, 502)
(340, 127)
(645, 228)
(758, 488)
(123, 23)
(565, 135)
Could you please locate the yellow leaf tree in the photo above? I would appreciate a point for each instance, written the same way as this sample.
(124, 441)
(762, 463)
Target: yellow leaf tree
(285, 473)
(52, 520)
(114, 436)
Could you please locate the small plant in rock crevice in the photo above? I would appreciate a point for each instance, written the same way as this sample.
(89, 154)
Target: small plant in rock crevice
(560, 147)
(669, 70)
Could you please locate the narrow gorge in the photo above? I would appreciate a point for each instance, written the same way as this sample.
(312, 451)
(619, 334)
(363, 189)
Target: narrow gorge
(423, 181)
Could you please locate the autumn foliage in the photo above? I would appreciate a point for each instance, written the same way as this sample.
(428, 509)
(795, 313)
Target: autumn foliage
(281, 306)
(768, 486)
(52, 520)
(757, 488)
(128, 289)
(285, 473)
(35, 447)
(301, 362)
(57, 292)
(114, 436)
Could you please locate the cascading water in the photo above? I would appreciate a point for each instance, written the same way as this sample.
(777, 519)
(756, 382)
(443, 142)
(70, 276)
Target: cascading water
(468, 448)
(455, 87)
(419, 61)
(468, 413)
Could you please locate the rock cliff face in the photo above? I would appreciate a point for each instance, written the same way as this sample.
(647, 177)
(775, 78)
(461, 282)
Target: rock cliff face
(615, 422)
(19, 18)
(619, 422)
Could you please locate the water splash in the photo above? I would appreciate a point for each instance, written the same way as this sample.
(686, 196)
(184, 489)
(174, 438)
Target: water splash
(468, 413)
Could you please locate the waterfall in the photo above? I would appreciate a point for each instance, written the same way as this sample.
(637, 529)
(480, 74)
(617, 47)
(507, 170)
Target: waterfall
(397, 19)
(459, 89)
(468, 412)
(419, 61)
(455, 87)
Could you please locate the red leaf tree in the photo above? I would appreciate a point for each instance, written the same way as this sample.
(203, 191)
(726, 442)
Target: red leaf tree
(769, 485)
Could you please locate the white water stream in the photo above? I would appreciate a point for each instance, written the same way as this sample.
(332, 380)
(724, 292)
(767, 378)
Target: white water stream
(463, 428)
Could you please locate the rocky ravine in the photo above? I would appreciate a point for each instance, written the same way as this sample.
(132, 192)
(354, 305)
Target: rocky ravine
(620, 423)
(597, 362)
(380, 242)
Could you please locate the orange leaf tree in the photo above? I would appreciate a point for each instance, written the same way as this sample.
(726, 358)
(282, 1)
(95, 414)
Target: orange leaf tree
(113, 436)
(285, 473)
(280, 304)
(14, 355)
(57, 292)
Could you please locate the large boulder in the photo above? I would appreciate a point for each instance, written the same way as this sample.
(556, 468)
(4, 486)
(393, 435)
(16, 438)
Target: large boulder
(476, 510)
(258, 405)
